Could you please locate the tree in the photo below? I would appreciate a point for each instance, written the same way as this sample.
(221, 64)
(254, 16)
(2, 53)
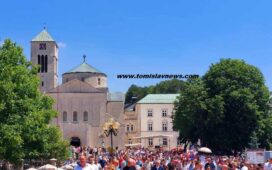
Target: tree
(163, 87)
(25, 113)
(225, 107)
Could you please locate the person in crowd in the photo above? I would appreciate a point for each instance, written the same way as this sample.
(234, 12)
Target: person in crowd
(131, 165)
(82, 165)
(157, 165)
(268, 164)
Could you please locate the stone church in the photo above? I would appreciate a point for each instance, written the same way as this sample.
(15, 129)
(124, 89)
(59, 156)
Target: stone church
(83, 100)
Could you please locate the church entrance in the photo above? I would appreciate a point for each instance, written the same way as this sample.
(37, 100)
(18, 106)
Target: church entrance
(75, 141)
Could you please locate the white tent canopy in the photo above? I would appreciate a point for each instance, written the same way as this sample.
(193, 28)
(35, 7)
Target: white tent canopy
(133, 144)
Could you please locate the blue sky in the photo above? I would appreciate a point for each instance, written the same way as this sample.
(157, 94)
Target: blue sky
(146, 36)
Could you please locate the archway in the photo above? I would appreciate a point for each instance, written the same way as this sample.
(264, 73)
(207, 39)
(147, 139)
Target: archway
(75, 141)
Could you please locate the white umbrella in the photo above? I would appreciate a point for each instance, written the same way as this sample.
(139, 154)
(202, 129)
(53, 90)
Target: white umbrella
(48, 167)
(67, 167)
(73, 164)
(31, 169)
(205, 150)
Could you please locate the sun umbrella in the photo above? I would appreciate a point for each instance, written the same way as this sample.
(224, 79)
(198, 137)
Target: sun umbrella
(204, 150)
(67, 167)
(47, 167)
(31, 169)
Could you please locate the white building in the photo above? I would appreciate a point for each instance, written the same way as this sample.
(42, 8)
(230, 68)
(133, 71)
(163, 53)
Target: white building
(155, 121)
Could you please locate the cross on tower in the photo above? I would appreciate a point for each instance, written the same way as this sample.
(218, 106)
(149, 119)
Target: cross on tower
(84, 58)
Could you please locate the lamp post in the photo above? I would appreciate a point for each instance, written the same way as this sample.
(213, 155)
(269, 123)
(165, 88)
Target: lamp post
(110, 128)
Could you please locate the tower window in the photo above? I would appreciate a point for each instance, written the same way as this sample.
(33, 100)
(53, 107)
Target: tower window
(42, 46)
(39, 63)
(43, 62)
(82, 79)
(42, 84)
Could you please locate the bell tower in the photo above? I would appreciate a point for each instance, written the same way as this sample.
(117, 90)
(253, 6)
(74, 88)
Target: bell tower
(44, 52)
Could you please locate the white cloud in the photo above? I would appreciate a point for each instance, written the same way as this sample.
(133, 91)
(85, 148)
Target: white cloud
(1, 42)
(61, 45)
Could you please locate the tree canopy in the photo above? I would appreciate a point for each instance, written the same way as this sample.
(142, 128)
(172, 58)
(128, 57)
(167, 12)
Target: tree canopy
(164, 87)
(25, 113)
(225, 108)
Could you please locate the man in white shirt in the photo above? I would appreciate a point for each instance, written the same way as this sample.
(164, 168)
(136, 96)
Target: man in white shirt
(268, 165)
(92, 165)
(82, 164)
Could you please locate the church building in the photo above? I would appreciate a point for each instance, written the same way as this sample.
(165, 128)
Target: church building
(83, 100)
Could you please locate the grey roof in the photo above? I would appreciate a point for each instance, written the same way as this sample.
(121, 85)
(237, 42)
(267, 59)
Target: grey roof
(43, 36)
(116, 97)
(84, 68)
(158, 98)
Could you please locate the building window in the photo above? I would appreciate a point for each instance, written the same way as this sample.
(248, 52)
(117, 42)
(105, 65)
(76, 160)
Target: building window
(39, 63)
(149, 113)
(150, 142)
(150, 127)
(129, 141)
(42, 46)
(82, 79)
(164, 112)
(64, 116)
(43, 63)
(42, 84)
(164, 126)
(99, 81)
(85, 116)
(127, 128)
(75, 116)
(67, 80)
(131, 128)
(164, 141)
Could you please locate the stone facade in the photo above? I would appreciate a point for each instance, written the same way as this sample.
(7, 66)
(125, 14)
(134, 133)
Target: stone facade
(83, 101)
(49, 79)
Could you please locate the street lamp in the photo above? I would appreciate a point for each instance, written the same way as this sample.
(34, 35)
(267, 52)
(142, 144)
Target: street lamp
(111, 127)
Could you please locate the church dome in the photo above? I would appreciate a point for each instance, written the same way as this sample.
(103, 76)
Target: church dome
(84, 68)
(86, 73)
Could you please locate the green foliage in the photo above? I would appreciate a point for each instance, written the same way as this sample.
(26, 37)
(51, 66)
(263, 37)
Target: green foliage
(164, 87)
(225, 108)
(25, 113)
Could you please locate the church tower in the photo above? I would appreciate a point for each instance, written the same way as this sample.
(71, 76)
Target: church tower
(44, 52)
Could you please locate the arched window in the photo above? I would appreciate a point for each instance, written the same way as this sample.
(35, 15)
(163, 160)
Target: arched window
(42, 63)
(45, 63)
(129, 141)
(39, 63)
(85, 116)
(127, 128)
(64, 116)
(74, 116)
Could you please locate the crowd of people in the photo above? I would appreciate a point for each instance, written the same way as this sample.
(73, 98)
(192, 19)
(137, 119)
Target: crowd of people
(87, 158)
